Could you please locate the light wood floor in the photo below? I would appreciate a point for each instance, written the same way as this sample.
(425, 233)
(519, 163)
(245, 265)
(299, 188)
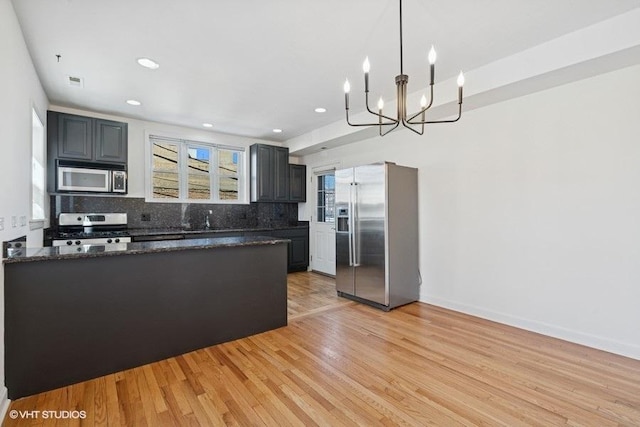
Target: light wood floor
(343, 363)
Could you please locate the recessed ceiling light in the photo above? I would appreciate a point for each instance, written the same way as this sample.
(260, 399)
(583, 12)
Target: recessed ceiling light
(320, 110)
(133, 102)
(207, 125)
(277, 131)
(148, 63)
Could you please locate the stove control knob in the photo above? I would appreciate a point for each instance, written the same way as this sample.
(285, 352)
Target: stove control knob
(117, 240)
(78, 242)
(69, 242)
(109, 241)
(79, 218)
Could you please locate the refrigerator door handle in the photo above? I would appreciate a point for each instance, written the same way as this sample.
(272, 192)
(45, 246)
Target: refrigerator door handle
(356, 243)
(350, 225)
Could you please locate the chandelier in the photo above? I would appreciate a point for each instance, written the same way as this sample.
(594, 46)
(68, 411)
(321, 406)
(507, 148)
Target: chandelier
(412, 121)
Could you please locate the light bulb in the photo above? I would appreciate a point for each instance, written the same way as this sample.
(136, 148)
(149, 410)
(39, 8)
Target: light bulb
(460, 79)
(347, 86)
(423, 101)
(432, 56)
(365, 65)
(380, 104)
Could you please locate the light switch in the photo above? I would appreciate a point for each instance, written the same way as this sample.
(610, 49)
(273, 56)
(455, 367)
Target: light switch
(14, 221)
(23, 220)
(1, 223)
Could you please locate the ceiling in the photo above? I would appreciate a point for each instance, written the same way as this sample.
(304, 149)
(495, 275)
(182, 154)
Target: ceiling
(251, 66)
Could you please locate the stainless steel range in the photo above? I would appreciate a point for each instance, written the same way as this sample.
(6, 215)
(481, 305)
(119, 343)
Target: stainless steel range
(91, 229)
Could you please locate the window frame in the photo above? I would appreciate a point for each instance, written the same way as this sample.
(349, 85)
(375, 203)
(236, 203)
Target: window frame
(38, 171)
(321, 181)
(183, 146)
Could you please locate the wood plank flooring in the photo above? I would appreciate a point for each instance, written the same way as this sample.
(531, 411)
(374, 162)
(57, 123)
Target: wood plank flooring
(342, 363)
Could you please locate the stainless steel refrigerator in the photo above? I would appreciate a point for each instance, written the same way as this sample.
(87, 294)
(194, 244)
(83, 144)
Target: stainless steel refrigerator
(377, 234)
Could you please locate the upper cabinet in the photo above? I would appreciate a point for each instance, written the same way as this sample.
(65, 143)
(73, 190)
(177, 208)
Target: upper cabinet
(281, 174)
(74, 136)
(110, 141)
(86, 138)
(269, 173)
(297, 183)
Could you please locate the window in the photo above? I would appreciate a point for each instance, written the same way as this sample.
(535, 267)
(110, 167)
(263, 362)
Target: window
(191, 171)
(326, 197)
(38, 193)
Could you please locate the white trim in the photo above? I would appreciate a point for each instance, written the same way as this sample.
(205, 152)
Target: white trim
(4, 403)
(36, 224)
(589, 340)
(41, 159)
(176, 140)
(326, 168)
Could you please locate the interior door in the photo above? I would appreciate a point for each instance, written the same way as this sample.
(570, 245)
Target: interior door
(323, 225)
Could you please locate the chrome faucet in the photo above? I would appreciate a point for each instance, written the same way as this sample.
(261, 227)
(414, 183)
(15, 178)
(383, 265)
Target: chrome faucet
(207, 223)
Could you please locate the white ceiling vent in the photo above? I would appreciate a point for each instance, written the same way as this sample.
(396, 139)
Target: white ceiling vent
(75, 81)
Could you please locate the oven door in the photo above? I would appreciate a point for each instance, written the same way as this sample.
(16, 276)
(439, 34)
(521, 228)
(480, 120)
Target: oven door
(84, 179)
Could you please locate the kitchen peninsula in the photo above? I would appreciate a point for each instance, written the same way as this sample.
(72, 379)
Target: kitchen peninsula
(75, 316)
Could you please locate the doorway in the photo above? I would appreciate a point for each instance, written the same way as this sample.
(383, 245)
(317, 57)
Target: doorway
(323, 227)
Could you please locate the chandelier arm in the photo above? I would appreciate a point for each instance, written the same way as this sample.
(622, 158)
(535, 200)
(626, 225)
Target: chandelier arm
(408, 126)
(366, 101)
(380, 123)
(392, 120)
(388, 130)
(370, 124)
(447, 121)
(423, 110)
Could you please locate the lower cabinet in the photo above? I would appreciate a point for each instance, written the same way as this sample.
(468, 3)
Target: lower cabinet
(298, 258)
(298, 247)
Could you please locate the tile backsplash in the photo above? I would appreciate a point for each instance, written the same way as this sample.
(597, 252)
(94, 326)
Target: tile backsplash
(178, 215)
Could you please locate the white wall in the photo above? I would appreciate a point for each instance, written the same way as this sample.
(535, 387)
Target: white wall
(529, 209)
(137, 130)
(21, 91)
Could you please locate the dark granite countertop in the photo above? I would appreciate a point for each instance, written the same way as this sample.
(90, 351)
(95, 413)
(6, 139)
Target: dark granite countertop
(92, 251)
(160, 231)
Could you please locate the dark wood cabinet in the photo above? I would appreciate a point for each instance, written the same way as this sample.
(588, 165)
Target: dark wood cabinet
(281, 174)
(273, 179)
(262, 174)
(269, 173)
(110, 141)
(298, 250)
(85, 138)
(74, 136)
(297, 183)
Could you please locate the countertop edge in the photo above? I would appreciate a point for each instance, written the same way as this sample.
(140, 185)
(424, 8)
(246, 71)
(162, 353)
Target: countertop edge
(137, 248)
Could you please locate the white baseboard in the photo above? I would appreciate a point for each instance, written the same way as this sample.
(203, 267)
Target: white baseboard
(594, 341)
(4, 403)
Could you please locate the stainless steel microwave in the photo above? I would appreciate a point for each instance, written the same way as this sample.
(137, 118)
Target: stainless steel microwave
(91, 180)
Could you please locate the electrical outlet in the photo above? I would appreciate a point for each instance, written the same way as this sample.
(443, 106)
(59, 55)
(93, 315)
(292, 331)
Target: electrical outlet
(1, 223)
(145, 217)
(23, 220)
